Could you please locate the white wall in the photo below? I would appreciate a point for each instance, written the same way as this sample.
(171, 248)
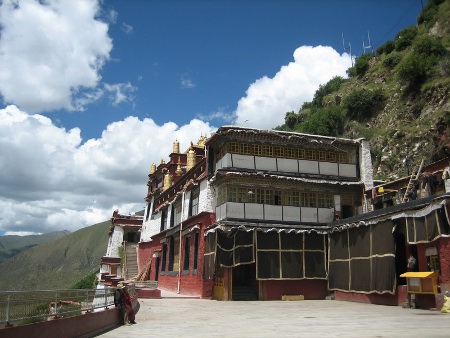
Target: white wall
(115, 240)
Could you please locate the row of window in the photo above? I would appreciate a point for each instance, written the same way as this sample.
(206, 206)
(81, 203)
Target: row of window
(176, 213)
(269, 150)
(275, 197)
(174, 254)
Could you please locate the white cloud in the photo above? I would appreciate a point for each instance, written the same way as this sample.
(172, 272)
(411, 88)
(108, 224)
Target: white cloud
(50, 51)
(186, 82)
(126, 28)
(268, 99)
(52, 181)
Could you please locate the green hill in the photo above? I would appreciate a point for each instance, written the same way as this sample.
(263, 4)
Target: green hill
(398, 98)
(12, 245)
(59, 264)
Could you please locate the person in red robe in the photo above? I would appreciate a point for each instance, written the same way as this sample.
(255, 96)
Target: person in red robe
(122, 300)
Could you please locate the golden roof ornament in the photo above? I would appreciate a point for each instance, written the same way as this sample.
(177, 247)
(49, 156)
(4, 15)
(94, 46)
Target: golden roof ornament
(191, 158)
(176, 147)
(152, 168)
(167, 181)
(202, 140)
(179, 171)
(162, 161)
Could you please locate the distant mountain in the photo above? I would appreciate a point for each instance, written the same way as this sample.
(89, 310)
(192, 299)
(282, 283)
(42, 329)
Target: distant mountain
(13, 245)
(59, 264)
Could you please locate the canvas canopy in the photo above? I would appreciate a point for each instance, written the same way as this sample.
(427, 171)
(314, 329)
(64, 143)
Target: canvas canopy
(362, 259)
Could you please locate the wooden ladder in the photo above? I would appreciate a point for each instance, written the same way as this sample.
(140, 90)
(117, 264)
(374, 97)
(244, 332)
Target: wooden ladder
(412, 181)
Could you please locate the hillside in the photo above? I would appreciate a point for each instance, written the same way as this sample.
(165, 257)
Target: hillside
(12, 245)
(397, 97)
(59, 264)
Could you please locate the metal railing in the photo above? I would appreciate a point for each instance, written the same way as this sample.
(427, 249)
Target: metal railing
(26, 307)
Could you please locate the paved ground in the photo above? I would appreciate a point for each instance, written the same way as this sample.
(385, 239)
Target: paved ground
(187, 317)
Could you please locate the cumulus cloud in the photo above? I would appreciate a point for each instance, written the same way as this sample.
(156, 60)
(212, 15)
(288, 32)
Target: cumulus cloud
(268, 99)
(51, 180)
(50, 51)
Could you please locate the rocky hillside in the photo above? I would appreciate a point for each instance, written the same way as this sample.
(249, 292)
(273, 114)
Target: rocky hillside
(397, 97)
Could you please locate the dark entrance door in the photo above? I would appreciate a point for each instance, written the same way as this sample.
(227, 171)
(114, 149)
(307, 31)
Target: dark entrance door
(244, 282)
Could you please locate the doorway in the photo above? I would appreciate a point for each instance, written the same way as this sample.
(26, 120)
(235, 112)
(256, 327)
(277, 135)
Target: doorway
(244, 284)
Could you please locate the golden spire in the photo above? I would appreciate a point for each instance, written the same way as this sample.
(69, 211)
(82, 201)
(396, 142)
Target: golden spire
(202, 140)
(179, 171)
(162, 161)
(176, 147)
(152, 168)
(191, 158)
(167, 181)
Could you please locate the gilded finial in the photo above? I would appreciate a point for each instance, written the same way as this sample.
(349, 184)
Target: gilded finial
(152, 168)
(179, 171)
(176, 147)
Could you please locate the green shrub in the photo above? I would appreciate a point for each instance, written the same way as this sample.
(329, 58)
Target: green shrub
(329, 121)
(331, 86)
(360, 104)
(392, 60)
(428, 45)
(405, 38)
(387, 48)
(413, 70)
(428, 14)
(362, 64)
(290, 119)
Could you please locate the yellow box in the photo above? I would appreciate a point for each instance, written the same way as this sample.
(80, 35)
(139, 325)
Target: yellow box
(421, 282)
(292, 297)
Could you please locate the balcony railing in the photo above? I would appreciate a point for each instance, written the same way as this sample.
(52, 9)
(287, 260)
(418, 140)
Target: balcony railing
(26, 307)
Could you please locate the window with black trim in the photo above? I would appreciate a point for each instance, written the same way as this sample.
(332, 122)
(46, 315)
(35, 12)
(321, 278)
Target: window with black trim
(174, 254)
(163, 219)
(196, 247)
(194, 201)
(175, 217)
(187, 251)
(164, 258)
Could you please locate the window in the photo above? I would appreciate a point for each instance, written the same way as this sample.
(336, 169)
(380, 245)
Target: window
(195, 193)
(234, 147)
(311, 155)
(174, 253)
(322, 156)
(196, 245)
(164, 257)
(258, 150)
(278, 151)
(308, 199)
(147, 213)
(324, 200)
(277, 197)
(187, 250)
(175, 217)
(163, 219)
(290, 152)
(267, 150)
(245, 148)
(342, 158)
(331, 157)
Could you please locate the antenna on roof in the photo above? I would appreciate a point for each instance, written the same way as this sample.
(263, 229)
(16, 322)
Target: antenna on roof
(369, 46)
(347, 49)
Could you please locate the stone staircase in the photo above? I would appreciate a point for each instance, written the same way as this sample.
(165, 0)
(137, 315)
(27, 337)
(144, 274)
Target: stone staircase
(244, 293)
(131, 269)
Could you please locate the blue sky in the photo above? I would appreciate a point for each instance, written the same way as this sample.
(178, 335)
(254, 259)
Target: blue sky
(93, 92)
